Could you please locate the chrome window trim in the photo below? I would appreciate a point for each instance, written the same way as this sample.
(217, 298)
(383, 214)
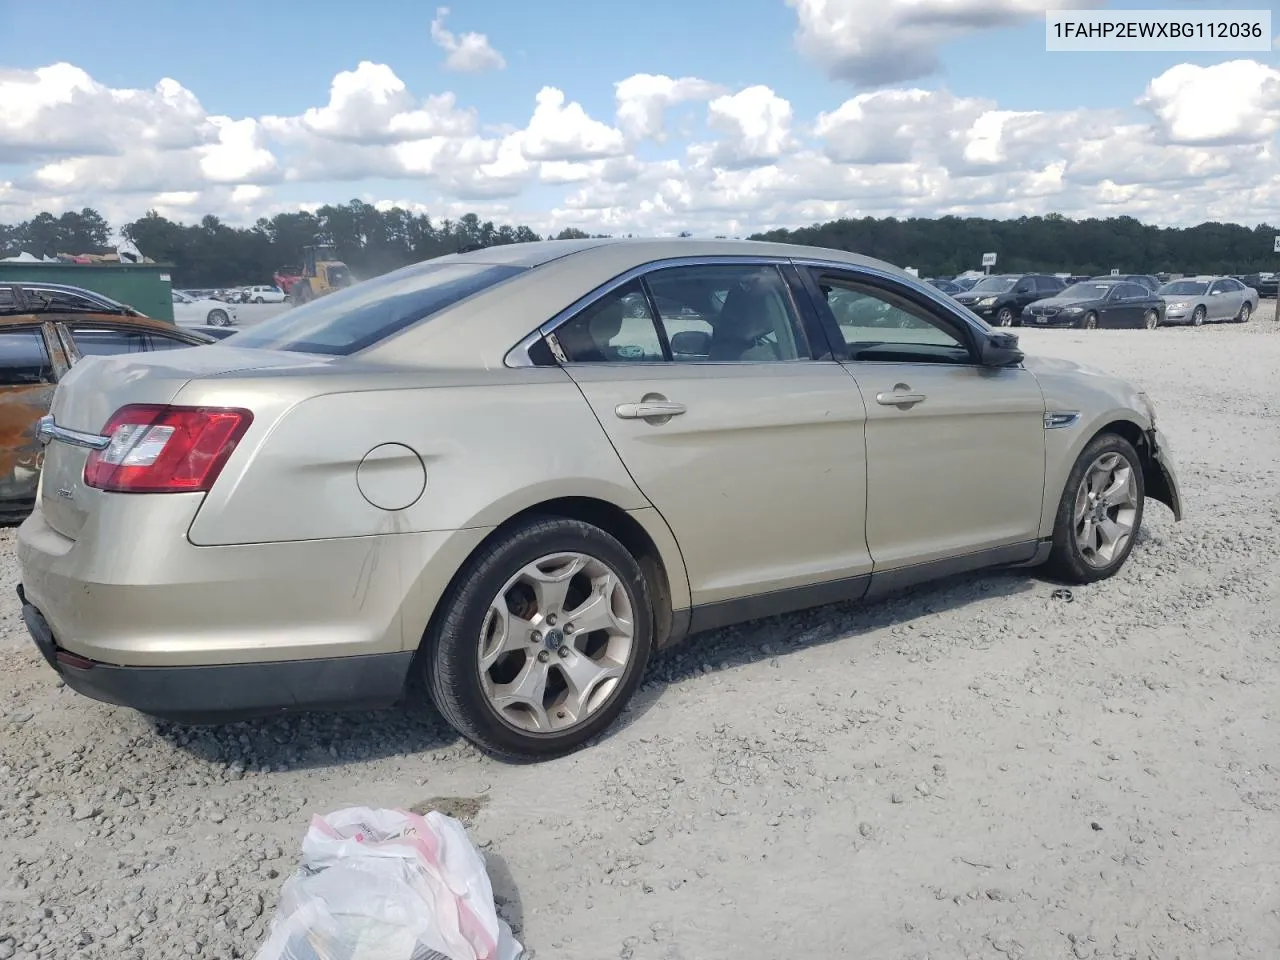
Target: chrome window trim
(518, 356)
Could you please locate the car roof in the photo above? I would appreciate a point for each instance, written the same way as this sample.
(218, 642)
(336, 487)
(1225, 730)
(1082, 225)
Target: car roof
(557, 274)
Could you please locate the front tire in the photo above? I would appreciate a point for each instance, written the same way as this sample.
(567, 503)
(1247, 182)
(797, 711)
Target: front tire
(1090, 321)
(1151, 321)
(1100, 512)
(1004, 317)
(1246, 311)
(541, 641)
(219, 318)
(1197, 317)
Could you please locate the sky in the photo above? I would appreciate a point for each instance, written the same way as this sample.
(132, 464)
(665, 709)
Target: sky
(647, 118)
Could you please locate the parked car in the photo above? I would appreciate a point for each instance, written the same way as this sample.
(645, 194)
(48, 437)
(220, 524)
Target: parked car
(353, 489)
(946, 286)
(1000, 298)
(188, 311)
(1097, 303)
(966, 283)
(1143, 279)
(44, 330)
(264, 294)
(1265, 283)
(1200, 299)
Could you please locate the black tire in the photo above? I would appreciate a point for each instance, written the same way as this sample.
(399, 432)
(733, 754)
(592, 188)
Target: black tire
(219, 318)
(1066, 562)
(1197, 317)
(1151, 320)
(1246, 311)
(451, 650)
(1090, 321)
(1004, 317)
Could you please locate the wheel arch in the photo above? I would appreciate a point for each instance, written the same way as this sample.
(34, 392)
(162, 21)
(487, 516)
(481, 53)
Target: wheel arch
(1154, 480)
(645, 535)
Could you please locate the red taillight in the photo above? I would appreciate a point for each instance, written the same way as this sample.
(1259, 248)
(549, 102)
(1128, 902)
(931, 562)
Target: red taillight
(161, 449)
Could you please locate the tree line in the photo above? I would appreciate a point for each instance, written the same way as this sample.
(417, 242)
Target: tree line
(372, 241)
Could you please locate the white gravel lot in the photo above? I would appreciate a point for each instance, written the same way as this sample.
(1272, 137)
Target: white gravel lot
(972, 770)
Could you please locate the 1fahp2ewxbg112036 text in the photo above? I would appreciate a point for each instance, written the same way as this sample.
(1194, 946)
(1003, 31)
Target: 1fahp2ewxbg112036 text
(1084, 31)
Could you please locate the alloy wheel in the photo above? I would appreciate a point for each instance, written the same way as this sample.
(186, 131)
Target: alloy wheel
(1152, 320)
(1005, 317)
(1091, 322)
(1197, 318)
(1245, 312)
(556, 642)
(1106, 509)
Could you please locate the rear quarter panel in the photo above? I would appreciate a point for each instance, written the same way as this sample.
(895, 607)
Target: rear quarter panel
(489, 449)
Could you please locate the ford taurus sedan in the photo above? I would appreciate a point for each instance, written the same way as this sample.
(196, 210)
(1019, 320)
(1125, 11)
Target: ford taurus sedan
(520, 471)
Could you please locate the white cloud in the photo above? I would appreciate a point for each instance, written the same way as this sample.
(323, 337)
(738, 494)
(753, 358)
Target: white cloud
(873, 42)
(644, 99)
(560, 131)
(756, 124)
(1197, 143)
(1233, 102)
(468, 53)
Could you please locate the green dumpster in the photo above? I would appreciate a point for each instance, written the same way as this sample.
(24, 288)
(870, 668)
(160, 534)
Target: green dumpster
(143, 286)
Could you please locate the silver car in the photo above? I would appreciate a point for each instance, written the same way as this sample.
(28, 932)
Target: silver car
(1197, 300)
(520, 471)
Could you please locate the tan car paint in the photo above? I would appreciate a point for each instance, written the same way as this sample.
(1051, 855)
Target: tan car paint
(134, 589)
(762, 479)
(961, 471)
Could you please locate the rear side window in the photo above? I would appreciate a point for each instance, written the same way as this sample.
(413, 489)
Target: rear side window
(108, 342)
(24, 358)
(350, 320)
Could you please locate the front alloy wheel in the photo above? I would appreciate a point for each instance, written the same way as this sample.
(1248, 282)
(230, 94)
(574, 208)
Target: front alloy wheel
(1004, 317)
(541, 640)
(1090, 321)
(1100, 512)
(1197, 317)
(219, 318)
(1152, 320)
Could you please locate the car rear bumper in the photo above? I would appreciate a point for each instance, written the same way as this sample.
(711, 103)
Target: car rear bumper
(226, 692)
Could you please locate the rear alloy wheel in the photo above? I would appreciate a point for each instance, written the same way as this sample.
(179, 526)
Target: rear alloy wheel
(1004, 317)
(258, 300)
(1100, 512)
(1090, 321)
(1151, 321)
(219, 318)
(542, 640)
(1245, 312)
(1197, 317)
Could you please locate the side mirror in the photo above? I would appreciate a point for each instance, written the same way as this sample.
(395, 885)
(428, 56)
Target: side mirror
(999, 350)
(691, 343)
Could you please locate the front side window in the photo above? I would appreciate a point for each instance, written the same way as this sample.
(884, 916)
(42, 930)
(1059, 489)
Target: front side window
(731, 313)
(617, 328)
(24, 358)
(879, 325)
(359, 316)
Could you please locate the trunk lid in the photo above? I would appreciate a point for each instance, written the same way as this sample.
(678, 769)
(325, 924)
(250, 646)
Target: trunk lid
(96, 387)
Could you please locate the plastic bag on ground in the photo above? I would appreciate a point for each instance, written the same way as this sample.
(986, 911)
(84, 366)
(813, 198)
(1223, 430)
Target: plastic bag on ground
(388, 885)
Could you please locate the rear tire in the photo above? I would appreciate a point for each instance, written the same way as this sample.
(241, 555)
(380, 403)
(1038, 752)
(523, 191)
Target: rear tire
(1152, 320)
(480, 702)
(1100, 512)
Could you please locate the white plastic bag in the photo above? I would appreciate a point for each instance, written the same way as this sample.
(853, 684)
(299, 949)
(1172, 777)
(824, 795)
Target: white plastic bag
(388, 885)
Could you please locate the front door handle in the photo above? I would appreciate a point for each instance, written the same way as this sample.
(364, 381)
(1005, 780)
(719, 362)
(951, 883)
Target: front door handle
(899, 399)
(648, 410)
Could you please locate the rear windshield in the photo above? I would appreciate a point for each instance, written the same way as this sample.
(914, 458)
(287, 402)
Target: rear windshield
(357, 317)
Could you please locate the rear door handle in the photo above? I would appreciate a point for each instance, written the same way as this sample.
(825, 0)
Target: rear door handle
(899, 399)
(648, 410)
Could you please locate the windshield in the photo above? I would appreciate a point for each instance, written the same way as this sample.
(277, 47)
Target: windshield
(1185, 288)
(357, 317)
(1085, 291)
(993, 285)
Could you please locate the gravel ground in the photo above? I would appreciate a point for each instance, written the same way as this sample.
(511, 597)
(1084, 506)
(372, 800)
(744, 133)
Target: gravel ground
(972, 770)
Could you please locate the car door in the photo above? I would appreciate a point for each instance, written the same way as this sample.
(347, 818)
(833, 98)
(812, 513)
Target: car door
(31, 363)
(1024, 292)
(1116, 308)
(955, 450)
(1223, 304)
(704, 377)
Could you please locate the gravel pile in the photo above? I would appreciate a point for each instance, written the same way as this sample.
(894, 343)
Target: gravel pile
(976, 769)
